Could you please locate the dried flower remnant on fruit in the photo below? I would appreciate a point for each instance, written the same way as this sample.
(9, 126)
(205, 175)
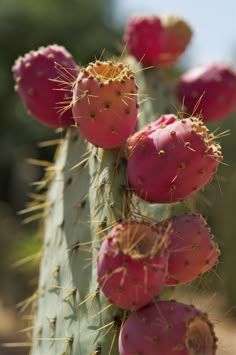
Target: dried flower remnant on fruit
(200, 338)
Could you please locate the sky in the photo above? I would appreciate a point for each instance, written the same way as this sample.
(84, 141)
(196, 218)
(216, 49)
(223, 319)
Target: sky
(213, 23)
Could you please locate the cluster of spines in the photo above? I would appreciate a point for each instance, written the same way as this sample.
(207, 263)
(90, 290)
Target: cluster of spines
(110, 73)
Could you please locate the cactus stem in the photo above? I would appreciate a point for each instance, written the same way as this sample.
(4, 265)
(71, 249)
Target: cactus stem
(92, 295)
(102, 310)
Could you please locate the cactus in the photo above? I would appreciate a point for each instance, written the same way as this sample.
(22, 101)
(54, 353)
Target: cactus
(101, 239)
(69, 301)
(88, 194)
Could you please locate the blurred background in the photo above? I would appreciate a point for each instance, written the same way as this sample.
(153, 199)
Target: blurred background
(86, 28)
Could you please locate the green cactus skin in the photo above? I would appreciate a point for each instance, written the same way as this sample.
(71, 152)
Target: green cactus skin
(156, 92)
(88, 194)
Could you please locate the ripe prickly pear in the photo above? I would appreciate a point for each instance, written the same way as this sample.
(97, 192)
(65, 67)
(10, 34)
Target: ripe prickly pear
(163, 121)
(157, 41)
(208, 91)
(105, 103)
(142, 37)
(41, 89)
(172, 162)
(175, 38)
(191, 247)
(132, 264)
(167, 327)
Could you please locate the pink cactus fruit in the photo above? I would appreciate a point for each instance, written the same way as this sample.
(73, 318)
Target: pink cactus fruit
(132, 264)
(157, 41)
(43, 88)
(142, 38)
(172, 162)
(175, 38)
(192, 249)
(163, 121)
(208, 91)
(105, 103)
(167, 328)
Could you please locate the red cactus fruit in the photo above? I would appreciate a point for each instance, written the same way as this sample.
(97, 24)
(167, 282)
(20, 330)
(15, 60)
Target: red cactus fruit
(132, 264)
(40, 86)
(157, 41)
(163, 121)
(167, 328)
(142, 37)
(191, 247)
(208, 91)
(172, 162)
(175, 39)
(105, 103)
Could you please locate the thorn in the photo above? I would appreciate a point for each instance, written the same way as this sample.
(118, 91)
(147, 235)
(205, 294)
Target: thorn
(39, 162)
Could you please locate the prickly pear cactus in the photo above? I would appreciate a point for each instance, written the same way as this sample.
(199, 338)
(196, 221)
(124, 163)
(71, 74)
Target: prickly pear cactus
(88, 194)
(91, 191)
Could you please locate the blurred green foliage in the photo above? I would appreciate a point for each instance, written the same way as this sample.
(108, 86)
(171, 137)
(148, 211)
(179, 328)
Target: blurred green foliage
(220, 204)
